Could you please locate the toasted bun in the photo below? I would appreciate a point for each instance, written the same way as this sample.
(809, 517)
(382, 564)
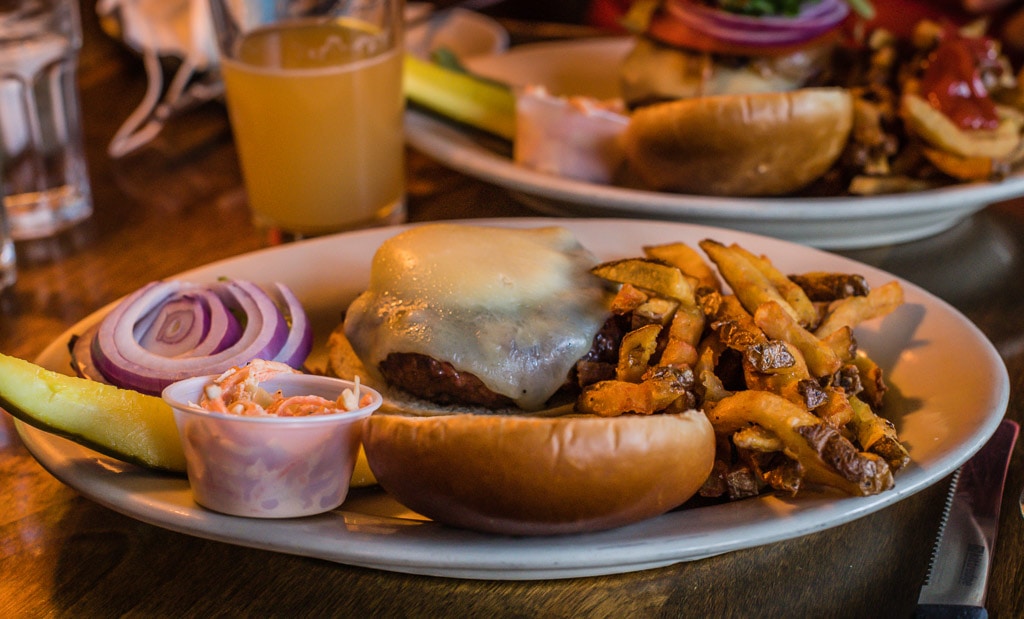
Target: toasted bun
(523, 475)
(760, 144)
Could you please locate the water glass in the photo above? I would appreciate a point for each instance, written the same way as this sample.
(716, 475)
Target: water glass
(314, 93)
(8, 272)
(43, 164)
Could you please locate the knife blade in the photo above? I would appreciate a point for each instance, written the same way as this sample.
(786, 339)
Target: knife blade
(958, 573)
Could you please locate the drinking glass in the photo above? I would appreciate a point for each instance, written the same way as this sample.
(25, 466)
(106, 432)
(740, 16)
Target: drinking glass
(44, 170)
(314, 93)
(8, 272)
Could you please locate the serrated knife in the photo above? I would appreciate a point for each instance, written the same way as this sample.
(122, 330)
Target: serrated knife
(958, 573)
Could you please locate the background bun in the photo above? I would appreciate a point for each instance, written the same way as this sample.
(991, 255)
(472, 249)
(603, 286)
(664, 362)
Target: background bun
(524, 475)
(740, 145)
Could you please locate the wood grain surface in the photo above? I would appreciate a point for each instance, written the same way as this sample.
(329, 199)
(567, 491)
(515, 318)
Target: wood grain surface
(179, 203)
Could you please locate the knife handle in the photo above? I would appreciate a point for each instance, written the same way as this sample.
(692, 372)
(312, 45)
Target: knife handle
(949, 611)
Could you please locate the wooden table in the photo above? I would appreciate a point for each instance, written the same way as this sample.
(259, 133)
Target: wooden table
(179, 204)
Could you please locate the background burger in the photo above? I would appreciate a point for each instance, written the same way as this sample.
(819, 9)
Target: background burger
(729, 96)
(474, 333)
(695, 48)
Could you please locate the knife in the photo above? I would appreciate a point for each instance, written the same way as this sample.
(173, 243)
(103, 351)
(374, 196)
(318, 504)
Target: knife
(962, 557)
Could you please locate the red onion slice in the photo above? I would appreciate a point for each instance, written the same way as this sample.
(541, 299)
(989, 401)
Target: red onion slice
(133, 349)
(175, 327)
(812, 21)
(300, 336)
(224, 327)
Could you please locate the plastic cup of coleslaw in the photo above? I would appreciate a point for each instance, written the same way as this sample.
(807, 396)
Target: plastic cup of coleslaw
(270, 466)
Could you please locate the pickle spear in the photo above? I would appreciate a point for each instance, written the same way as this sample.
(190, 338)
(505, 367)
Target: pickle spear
(461, 96)
(124, 424)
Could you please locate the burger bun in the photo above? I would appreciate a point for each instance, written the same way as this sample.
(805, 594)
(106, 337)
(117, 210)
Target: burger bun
(761, 144)
(524, 475)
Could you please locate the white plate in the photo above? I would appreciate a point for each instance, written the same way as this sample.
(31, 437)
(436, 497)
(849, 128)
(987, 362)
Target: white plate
(950, 387)
(590, 67)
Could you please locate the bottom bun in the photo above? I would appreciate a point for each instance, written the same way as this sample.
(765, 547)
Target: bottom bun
(523, 475)
(759, 144)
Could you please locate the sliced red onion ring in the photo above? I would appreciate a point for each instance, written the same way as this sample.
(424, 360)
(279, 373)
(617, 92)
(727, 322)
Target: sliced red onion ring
(176, 327)
(813, 20)
(171, 330)
(300, 336)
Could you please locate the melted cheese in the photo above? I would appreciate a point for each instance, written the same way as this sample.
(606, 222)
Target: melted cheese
(516, 308)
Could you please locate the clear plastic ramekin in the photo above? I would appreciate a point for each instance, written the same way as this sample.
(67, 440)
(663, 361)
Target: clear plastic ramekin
(270, 467)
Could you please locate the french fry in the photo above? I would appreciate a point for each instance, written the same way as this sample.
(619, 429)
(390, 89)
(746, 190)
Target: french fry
(794, 295)
(938, 130)
(872, 380)
(748, 283)
(627, 299)
(774, 364)
(852, 311)
(707, 381)
(612, 398)
(684, 334)
(789, 376)
(963, 168)
(656, 392)
(841, 343)
(688, 260)
(877, 434)
(734, 325)
(756, 438)
(836, 411)
(825, 455)
(635, 352)
(662, 279)
(776, 323)
(654, 311)
(825, 286)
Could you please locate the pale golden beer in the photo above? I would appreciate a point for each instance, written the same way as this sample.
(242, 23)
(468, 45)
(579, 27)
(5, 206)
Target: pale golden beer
(316, 109)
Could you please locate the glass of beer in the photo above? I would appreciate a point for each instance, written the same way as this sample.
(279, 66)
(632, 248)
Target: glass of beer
(314, 94)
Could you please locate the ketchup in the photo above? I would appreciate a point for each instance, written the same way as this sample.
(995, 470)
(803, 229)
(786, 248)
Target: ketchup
(952, 81)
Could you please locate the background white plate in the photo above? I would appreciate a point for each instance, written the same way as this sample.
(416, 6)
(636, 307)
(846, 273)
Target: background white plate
(949, 392)
(591, 67)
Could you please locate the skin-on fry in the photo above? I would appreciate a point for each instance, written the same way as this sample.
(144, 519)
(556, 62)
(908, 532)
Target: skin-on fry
(775, 367)
(734, 325)
(871, 379)
(627, 299)
(778, 324)
(683, 336)
(794, 295)
(852, 311)
(757, 438)
(657, 391)
(662, 279)
(825, 455)
(635, 352)
(827, 286)
(748, 283)
(688, 260)
(654, 311)
(836, 410)
(877, 434)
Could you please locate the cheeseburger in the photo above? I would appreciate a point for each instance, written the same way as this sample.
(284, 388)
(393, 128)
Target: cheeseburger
(476, 335)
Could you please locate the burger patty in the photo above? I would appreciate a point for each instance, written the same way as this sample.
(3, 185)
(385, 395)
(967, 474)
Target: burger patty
(439, 382)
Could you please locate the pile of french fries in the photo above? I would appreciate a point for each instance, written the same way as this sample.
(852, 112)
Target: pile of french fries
(772, 360)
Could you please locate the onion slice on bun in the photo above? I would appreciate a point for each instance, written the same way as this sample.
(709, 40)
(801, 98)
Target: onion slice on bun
(761, 144)
(522, 475)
